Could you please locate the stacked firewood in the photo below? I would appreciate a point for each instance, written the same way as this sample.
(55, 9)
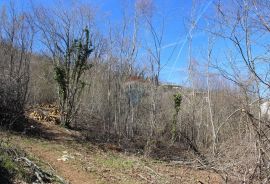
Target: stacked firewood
(46, 112)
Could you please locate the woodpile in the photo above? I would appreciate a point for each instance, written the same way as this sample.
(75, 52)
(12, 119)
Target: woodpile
(45, 112)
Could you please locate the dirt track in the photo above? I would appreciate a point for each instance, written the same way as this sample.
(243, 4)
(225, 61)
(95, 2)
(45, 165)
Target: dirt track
(84, 163)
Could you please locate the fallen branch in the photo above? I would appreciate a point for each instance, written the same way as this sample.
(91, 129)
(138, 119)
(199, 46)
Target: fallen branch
(42, 175)
(150, 169)
(141, 176)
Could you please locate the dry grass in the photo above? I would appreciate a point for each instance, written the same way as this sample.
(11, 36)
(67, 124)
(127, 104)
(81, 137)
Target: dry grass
(87, 163)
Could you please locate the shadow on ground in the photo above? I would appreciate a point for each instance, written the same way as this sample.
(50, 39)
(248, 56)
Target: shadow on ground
(94, 134)
(5, 176)
(49, 131)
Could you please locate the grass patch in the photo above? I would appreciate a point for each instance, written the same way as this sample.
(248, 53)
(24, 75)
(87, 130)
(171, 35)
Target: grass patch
(115, 162)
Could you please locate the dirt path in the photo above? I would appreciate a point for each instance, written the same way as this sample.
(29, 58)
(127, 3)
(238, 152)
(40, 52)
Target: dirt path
(89, 165)
(84, 163)
(66, 169)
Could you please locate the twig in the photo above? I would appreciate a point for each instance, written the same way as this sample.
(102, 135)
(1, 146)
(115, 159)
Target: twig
(144, 178)
(152, 170)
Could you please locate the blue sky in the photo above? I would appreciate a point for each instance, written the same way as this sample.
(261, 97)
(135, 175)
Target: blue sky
(175, 41)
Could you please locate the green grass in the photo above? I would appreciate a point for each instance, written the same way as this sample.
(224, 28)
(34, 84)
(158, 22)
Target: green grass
(7, 163)
(115, 162)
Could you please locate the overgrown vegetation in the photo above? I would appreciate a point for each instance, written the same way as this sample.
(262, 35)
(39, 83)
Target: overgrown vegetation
(15, 51)
(107, 83)
(177, 103)
(69, 71)
(12, 169)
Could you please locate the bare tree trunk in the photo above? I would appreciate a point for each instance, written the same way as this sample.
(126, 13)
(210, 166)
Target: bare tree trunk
(209, 98)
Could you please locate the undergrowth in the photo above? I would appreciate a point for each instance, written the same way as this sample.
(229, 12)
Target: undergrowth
(10, 168)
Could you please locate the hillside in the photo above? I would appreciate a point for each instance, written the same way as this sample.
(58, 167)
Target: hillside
(60, 151)
(140, 91)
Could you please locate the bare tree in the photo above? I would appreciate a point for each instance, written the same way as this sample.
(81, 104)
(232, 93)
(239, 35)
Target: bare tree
(244, 25)
(68, 39)
(16, 41)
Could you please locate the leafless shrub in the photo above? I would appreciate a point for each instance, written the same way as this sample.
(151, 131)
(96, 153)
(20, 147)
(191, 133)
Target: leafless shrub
(16, 39)
(42, 86)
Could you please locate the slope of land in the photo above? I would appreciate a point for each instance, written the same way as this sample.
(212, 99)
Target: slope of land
(83, 163)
